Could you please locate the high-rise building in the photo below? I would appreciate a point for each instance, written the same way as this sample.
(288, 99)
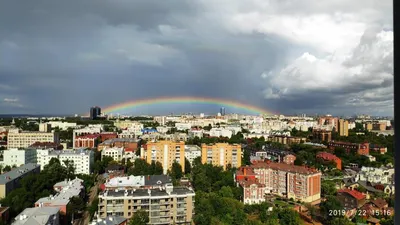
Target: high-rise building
(95, 112)
(343, 127)
(222, 154)
(222, 111)
(166, 152)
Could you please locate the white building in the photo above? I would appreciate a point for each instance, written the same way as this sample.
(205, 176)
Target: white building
(23, 139)
(126, 134)
(62, 125)
(217, 132)
(162, 129)
(18, 157)
(381, 175)
(196, 133)
(38, 216)
(183, 126)
(116, 153)
(82, 159)
(192, 152)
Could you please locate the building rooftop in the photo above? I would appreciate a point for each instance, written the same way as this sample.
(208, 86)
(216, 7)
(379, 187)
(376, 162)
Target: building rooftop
(327, 156)
(284, 167)
(89, 136)
(36, 216)
(17, 172)
(113, 140)
(138, 181)
(110, 220)
(66, 190)
(356, 194)
(161, 191)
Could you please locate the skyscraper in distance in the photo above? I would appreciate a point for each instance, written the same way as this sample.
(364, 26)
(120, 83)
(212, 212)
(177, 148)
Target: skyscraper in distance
(222, 111)
(95, 112)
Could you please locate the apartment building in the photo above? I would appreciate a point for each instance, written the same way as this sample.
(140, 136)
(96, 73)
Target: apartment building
(222, 154)
(45, 145)
(116, 153)
(10, 180)
(44, 127)
(65, 191)
(343, 127)
(62, 125)
(166, 205)
(166, 152)
(286, 140)
(383, 175)
(23, 139)
(326, 156)
(329, 120)
(38, 216)
(192, 152)
(290, 181)
(19, 157)
(135, 182)
(110, 220)
(82, 159)
(361, 149)
(128, 124)
(218, 132)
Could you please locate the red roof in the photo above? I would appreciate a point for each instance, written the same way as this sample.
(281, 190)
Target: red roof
(128, 149)
(249, 171)
(327, 156)
(247, 183)
(284, 167)
(90, 136)
(356, 194)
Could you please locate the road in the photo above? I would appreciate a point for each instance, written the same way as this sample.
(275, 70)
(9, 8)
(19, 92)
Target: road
(93, 193)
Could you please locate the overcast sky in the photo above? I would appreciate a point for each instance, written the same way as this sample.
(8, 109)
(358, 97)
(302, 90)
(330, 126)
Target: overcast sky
(288, 56)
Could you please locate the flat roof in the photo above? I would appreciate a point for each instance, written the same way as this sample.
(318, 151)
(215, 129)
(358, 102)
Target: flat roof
(17, 172)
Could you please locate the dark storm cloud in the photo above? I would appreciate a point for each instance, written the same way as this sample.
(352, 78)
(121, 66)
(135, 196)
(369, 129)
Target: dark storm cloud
(64, 56)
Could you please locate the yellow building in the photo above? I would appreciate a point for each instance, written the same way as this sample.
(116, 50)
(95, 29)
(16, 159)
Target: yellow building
(368, 126)
(222, 154)
(343, 127)
(166, 152)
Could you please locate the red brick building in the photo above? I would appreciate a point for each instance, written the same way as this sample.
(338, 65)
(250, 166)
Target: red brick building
(330, 157)
(87, 141)
(127, 143)
(376, 148)
(290, 181)
(322, 134)
(108, 135)
(361, 149)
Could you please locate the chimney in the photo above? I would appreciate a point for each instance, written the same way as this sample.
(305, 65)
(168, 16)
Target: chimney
(244, 171)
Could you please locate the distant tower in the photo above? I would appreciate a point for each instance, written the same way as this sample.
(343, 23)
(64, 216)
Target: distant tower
(95, 112)
(222, 111)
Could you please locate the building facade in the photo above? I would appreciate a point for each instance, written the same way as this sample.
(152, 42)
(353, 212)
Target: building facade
(168, 205)
(166, 152)
(19, 157)
(87, 141)
(82, 159)
(116, 153)
(361, 149)
(222, 154)
(192, 152)
(326, 156)
(343, 127)
(23, 139)
(10, 181)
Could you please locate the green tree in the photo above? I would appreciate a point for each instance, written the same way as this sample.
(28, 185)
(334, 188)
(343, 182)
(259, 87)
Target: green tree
(188, 167)
(331, 203)
(156, 168)
(226, 192)
(140, 167)
(141, 217)
(328, 188)
(176, 171)
(289, 217)
(340, 221)
(70, 168)
(7, 169)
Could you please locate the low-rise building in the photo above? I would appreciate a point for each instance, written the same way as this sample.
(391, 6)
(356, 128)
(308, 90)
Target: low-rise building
(383, 175)
(116, 153)
(45, 145)
(10, 181)
(65, 191)
(220, 132)
(351, 199)
(38, 216)
(87, 141)
(166, 205)
(110, 220)
(126, 143)
(361, 149)
(326, 156)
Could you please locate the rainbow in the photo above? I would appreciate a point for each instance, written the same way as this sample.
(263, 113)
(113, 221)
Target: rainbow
(170, 100)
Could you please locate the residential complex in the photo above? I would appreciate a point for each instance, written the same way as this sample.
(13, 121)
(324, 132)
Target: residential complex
(129, 144)
(290, 181)
(192, 152)
(10, 180)
(222, 154)
(165, 205)
(361, 149)
(116, 153)
(166, 152)
(343, 127)
(23, 139)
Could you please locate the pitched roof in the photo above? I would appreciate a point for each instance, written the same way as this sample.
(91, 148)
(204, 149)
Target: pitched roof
(380, 203)
(355, 194)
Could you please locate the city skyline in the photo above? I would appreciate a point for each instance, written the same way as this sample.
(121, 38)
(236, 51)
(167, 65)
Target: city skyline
(333, 57)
